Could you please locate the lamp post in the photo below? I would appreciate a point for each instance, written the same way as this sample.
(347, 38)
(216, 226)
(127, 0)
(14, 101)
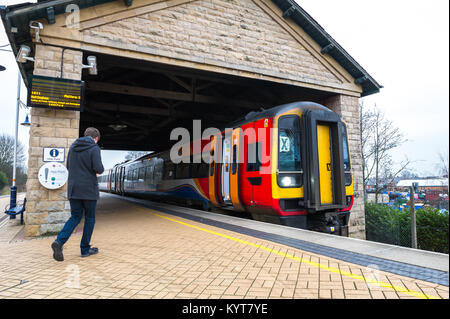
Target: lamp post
(13, 195)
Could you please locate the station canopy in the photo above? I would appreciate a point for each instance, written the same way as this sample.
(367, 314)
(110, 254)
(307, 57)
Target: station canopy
(136, 103)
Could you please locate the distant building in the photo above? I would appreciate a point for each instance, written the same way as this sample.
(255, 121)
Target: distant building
(429, 185)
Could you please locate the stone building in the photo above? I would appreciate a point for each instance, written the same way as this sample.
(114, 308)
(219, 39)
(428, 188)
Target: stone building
(163, 63)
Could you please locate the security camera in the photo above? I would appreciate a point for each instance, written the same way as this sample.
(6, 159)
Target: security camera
(23, 55)
(36, 26)
(92, 65)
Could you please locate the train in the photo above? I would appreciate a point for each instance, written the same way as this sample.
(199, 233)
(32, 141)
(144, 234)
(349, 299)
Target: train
(288, 165)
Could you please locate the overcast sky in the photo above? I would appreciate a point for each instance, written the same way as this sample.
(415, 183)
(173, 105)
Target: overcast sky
(403, 44)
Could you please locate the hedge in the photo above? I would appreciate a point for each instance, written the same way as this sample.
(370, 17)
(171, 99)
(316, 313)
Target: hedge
(391, 226)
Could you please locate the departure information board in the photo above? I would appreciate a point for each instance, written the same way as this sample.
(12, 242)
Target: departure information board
(56, 93)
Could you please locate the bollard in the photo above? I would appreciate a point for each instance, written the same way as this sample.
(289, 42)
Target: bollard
(13, 200)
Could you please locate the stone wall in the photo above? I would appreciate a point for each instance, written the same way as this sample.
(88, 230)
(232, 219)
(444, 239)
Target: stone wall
(233, 34)
(48, 210)
(347, 107)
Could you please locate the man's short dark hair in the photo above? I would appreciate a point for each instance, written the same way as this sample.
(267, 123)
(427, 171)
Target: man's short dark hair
(92, 132)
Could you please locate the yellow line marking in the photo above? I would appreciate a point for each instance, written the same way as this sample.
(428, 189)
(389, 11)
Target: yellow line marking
(315, 264)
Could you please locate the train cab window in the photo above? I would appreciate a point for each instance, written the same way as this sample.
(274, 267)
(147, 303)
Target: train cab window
(289, 161)
(345, 148)
(348, 174)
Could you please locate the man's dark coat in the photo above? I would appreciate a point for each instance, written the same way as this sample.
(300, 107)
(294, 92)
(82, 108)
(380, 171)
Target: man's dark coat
(83, 163)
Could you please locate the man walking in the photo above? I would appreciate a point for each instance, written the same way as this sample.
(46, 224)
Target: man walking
(83, 163)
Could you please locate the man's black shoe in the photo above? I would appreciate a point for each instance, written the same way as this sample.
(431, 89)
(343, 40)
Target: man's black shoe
(92, 251)
(57, 251)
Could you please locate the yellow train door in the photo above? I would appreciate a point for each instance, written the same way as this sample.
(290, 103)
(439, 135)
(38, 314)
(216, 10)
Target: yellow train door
(325, 165)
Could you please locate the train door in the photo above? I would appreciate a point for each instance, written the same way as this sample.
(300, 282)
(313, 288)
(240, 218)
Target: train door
(212, 179)
(325, 164)
(121, 179)
(116, 182)
(113, 180)
(256, 179)
(262, 194)
(226, 170)
(236, 159)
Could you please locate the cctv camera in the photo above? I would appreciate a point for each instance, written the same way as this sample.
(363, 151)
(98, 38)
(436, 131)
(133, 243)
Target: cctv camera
(92, 65)
(92, 61)
(22, 56)
(36, 26)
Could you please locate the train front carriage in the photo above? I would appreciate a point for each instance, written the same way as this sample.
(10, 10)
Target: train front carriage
(288, 165)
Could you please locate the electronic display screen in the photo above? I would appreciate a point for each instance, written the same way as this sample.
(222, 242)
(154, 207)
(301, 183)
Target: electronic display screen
(55, 93)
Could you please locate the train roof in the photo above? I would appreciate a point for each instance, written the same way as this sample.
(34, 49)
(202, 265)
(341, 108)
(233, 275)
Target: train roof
(257, 115)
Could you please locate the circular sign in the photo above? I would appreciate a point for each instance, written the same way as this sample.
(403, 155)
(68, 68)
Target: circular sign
(53, 175)
(54, 152)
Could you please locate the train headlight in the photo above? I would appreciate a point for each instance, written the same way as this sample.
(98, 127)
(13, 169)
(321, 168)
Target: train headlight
(290, 180)
(287, 181)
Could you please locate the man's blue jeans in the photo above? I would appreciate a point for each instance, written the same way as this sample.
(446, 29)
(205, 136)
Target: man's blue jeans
(77, 206)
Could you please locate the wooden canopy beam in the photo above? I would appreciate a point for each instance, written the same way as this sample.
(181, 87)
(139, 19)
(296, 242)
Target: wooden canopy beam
(164, 94)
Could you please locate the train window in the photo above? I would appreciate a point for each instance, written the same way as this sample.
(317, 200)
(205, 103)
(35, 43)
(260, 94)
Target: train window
(212, 165)
(234, 164)
(203, 169)
(149, 174)
(200, 170)
(141, 176)
(135, 174)
(158, 172)
(183, 170)
(254, 154)
(169, 170)
(345, 148)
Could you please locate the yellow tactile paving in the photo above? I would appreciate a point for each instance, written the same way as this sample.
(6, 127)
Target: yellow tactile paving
(148, 254)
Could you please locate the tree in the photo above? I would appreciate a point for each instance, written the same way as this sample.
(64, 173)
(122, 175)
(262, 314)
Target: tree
(131, 155)
(3, 180)
(407, 174)
(443, 163)
(7, 159)
(379, 137)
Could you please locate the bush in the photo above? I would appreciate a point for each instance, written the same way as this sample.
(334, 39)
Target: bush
(432, 230)
(392, 226)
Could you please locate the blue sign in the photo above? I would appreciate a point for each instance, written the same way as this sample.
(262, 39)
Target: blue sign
(53, 154)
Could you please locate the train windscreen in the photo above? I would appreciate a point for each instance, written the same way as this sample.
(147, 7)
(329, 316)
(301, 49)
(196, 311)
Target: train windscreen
(289, 159)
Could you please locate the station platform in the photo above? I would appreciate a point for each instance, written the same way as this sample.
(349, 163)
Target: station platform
(157, 250)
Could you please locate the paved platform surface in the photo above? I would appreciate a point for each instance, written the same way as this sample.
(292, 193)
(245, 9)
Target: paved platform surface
(146, 253)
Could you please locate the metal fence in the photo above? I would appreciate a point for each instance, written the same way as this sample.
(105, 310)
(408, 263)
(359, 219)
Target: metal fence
(392, 225)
